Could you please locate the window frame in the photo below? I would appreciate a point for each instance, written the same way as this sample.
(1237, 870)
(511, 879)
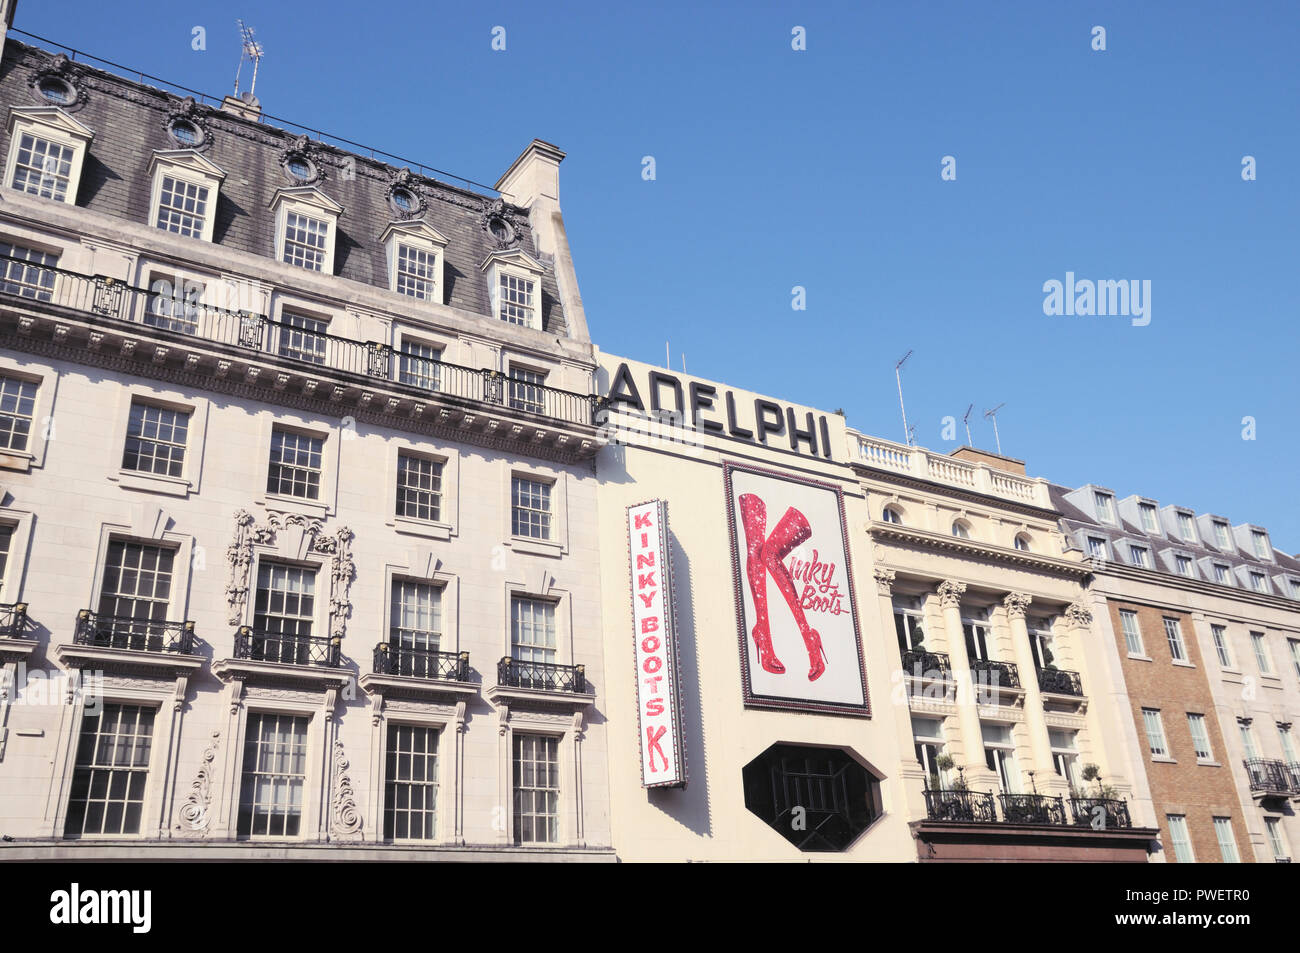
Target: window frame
(1175, 641)
(187, 166)
(1137, 633)
(1223, 647)
(326, 502)
(558, 543)
(46, 379)
(1263, 653)
(1175, 842)
(1198, 718)
(52, 124)
(190, 480)
(309, 201)
(1231, 841)
(514, 263)
(1165, 753)
(421, 236)
(448, 524)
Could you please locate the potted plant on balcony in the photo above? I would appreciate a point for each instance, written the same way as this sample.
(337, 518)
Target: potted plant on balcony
(944, 764)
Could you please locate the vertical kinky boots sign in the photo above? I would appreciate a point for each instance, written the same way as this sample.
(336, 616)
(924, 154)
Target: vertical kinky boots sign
(798, 624)
(663, 761)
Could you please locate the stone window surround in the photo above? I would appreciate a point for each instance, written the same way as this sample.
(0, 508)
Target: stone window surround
(449, 719)
(195, 441)
(449, 523)
(20, 523)
(148, 527)
(423, 566)
(54, 125)
(312, 202)
(542, 587)
(187, 166)
(424, 237)
(46, 379)
(326, 504)
(518, 264)
(558, 544)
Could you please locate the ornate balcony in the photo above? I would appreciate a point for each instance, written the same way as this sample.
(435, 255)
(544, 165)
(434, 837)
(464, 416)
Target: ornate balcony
(16, 641)
(418, 673)
(281, 658)
(125, 643)
(1060, 682)
(100, 315)
(1270, 778)
(1032, 809)
(989, 675)
(520, 682)
(1100, 813)
(971, 807)
(920, 664)
(258, 646)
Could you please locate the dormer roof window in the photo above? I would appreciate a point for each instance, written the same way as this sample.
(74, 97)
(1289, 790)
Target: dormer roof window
(306, 220)
(515, 287)
(47, 148)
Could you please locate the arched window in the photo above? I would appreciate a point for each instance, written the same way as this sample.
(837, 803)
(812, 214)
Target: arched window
(1022, 542)
(890, 515)
(961, 529)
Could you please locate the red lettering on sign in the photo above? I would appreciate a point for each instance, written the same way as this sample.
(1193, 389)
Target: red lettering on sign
(652, 668)
(645, 560)
(646, 580)
(648, 598)
(649, 624)
(650, 644)
(654, 684)
(654, 706)
(652, 738)
(642, 521)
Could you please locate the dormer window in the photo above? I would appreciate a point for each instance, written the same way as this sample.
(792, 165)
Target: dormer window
(1259, 540)
(1258, 582)
(1096, 547)
(185, 187)
(415, 258)
(306, 220)
(1221, 535)
(1139, 556)
(1148, 514)
(514, 283)
(185, 133)
(1183, 565)
(1105, 507)
(1222, 575)
(46, 151)
(1185, 527)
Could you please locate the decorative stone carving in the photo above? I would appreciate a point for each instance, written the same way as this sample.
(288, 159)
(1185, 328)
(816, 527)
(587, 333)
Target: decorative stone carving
(498, 222)
(1016, 603)
(950, 593)
(885, 581)
(403, 179)
(1078, 615)
(187, 110)
(309, 533)
(196, 811)
(345, 819)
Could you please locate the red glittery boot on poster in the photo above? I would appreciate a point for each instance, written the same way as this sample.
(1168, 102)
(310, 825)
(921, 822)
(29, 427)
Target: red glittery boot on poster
(754, 517)
(789, 533)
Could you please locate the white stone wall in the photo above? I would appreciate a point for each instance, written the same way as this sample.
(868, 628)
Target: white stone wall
(78, 493)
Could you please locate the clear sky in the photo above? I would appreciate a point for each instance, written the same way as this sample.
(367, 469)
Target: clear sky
(821, 168)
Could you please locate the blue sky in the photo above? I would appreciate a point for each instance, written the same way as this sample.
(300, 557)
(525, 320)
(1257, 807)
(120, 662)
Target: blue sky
(821, 168)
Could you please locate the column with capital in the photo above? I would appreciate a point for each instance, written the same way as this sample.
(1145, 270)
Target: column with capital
(1046, 780)
(968, 718)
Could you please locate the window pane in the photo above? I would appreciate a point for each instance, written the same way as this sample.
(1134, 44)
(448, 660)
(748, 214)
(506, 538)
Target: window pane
(271, 794)
(108, 784)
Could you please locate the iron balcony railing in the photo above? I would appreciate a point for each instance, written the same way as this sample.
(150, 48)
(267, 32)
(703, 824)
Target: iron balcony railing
(13, 620)
(255, 645)
(1100, 812)
(543, 676)
(921, 664)
(970, 806)
(1060, 682)
(140, 635)
(1293, 770)
(391, 659)
(166, 313)
(1032, 809)
(990, 674)
(1270, 777)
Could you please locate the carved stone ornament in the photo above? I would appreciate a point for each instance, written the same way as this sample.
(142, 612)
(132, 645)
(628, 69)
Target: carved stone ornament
(408, 182)
(950, 593)
(1079, 615)
(1016, 603)
(498, 222)
(885, 581)
(188, 110)
(345, 821)
(63, 70)
(311, 532)
(305, 149)
(195, 813)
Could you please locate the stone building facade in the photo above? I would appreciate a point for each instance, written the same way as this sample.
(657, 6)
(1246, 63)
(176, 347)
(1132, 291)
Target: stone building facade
(297, 493)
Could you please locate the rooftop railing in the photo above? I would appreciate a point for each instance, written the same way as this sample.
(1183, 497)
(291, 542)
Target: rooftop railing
(941, 468)
(306, 350)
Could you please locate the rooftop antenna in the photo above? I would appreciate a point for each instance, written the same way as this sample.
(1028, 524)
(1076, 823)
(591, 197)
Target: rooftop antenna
(993, 415)
(252, 51)
(683, 362)
(966, 420)
(907, 433)
(668, 361)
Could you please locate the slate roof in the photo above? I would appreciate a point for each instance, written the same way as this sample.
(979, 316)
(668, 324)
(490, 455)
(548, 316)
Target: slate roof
(1079, 524)
(129, 120)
